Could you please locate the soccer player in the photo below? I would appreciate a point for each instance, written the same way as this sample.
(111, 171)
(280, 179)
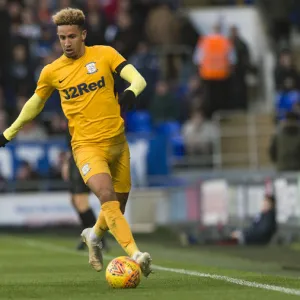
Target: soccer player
(84, 78)
(79, 194)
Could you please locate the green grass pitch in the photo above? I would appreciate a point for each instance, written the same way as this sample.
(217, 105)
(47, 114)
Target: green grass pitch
(46, 267)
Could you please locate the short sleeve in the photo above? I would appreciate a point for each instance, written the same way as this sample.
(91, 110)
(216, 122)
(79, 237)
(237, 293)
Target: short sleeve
(44, 87)
(114, 58)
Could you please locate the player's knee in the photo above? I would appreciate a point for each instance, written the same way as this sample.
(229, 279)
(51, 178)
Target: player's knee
(106, 195)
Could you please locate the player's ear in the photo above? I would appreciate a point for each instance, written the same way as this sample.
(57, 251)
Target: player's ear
(83, 35)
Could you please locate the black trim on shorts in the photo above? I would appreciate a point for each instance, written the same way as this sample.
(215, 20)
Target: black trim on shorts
(121, 66)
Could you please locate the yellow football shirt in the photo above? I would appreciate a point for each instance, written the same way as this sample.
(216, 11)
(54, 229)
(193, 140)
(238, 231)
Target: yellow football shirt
(86, 88)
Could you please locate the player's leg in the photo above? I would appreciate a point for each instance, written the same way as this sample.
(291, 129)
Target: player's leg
(80, 199)
(120, 171)
(102, 186)
(101, 226)
(86, 160)
(94, 167)
(122, 198)
(92, 164)
(112, 216)
(87, 217)
(84, 212)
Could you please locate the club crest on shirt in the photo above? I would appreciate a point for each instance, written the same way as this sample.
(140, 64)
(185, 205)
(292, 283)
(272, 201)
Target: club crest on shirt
(91, 68)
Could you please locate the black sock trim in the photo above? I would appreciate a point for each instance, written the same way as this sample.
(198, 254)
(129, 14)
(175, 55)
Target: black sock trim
(87, 218)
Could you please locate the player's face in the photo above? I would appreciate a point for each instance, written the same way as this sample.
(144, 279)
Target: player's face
(71, 39)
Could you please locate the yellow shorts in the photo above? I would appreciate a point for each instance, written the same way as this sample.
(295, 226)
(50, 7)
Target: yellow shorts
(111, 159)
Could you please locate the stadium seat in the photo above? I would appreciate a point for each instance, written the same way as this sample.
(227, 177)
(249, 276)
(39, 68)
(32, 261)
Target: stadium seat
(138, 122)
(178, 146)
(172, 129)
(285, 102)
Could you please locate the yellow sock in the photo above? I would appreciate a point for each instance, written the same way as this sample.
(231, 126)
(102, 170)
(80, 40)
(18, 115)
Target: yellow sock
(119, 227)
(100, 227)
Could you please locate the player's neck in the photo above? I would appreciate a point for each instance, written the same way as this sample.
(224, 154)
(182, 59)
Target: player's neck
(82, 52)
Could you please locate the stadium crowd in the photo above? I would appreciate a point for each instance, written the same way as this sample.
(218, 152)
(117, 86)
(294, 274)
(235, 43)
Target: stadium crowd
(154, 36)
(285, 144)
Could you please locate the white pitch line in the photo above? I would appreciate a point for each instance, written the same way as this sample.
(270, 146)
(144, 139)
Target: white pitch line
(232, 280)
(275, 288)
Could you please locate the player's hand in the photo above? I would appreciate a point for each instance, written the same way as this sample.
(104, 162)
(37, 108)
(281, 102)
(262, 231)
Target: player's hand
(3, 140)
(127, 100)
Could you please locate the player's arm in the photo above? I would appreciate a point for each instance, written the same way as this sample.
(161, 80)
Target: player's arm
(136, 80)
(137, 85)
(31, 108)
(29, 111)
(129, 73)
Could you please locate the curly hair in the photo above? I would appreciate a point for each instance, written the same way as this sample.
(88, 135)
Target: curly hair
(69, 16)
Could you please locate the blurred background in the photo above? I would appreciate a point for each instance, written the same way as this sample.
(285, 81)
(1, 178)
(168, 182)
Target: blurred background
(216, 129)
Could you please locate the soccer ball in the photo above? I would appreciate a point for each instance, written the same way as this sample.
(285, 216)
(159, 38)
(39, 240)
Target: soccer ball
(123, 273)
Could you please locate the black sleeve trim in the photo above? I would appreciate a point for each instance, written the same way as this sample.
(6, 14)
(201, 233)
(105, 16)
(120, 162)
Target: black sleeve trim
(121, 66)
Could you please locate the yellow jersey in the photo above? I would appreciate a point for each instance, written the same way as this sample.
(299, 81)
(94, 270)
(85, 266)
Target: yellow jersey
(88, 99)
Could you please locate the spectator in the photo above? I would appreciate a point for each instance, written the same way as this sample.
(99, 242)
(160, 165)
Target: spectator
(188, 33)
(285, 145)
(127, 35)
(3, 101)
(110, 9)
(96, 27)
(192, 97)
(146, 62)
(262, 228)
(3, 120)
(286, 75)
(32, 131)
(43, 46)
(43, 62)
(56, 48)
(5, 35)
(239, 88)
(43, 11)
(29, 29)
(161, 19)
(14, 9)
(287, 85)
(279, 11)
(26, 172)
(56, 167)
(53, 104)
(140, 11)
(286, 101)
(199, 134)
(57, 125)
(64, 4)
(163, 106)
(20, 70)
(215, 57)
(21, 100)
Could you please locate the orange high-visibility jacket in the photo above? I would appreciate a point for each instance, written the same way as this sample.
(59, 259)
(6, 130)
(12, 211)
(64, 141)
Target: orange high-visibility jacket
(215, 57)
